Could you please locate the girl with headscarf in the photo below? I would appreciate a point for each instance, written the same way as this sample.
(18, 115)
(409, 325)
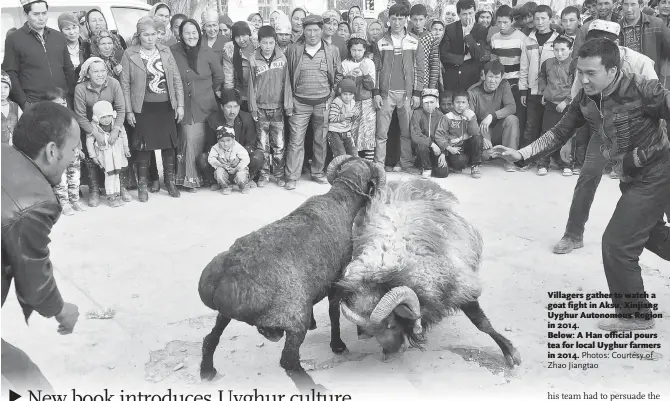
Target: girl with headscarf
(236, 61)
(76, 46)
(107, 47)
(201, 74)
(154, 97)
(162, 11)
(212, 37)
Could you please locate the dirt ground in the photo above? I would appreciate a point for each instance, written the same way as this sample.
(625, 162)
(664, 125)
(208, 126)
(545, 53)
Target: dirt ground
(144, 262)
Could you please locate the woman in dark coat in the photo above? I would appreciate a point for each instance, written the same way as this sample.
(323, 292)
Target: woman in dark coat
(201, 74)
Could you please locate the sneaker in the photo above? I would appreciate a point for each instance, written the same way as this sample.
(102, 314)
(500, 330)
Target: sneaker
(115, 201)
(426, 174)
(576, 171)
(227, 191)
(263, 182)
(510, 167)
(567, 172)
(614, 324)
(215, 186)
(542, 171)
(614, 175)
(567, 245)
(411, 170)
(320, 179)
(252, 184)
(290, 185)
(281, 183)
(397, 168)
(475, 172)
(388, 169)
(78, 206)
(67, 209)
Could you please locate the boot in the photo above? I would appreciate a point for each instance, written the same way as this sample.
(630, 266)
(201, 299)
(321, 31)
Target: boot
(143, 180)
(155, 186)
(93, 187)
(168, 174)
(125, 196)
(153, 165)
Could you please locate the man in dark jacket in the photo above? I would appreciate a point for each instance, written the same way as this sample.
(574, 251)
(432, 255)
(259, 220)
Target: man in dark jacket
(36, 57)
(643, 33)
(46, 140)
(625, 110)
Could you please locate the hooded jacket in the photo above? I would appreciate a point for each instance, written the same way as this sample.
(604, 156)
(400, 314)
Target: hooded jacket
(423, 126)
(266, 81)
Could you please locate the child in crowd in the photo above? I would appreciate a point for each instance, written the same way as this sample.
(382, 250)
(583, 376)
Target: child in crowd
(446, 101)
(340, 117)
(111, 155)
(67, 191)
(459, 139)
(10, 110)
(266, 103)
(555, 82)
(230, 161)
(423, 127)
(362, 70)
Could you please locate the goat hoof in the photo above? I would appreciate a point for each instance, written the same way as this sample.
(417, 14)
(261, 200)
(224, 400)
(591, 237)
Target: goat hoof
(339, 349)
(207, 374)
(513, 359)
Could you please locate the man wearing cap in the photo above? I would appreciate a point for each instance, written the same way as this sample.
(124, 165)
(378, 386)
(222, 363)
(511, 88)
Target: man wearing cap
(314, 70)
(36, 57)
(331, 21)
(624, 110)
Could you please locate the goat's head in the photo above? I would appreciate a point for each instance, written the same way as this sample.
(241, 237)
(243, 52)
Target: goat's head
(360, 175)
(394, 321)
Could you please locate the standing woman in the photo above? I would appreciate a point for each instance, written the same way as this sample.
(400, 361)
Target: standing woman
(297, 16)
(274, 17)
(154, 97)
(213, 38)
(664, 14)
(484, 18)
(359, 27)
(236, 65)
(201, 74)
(76, 46)
(344, 30)
(163, 12)
(107, 47)
(96, 22)
(375, 32)
(255, 22)
(354, 11)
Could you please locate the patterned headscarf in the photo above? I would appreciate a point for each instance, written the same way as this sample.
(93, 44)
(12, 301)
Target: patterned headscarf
(110, 61)
(83, 73)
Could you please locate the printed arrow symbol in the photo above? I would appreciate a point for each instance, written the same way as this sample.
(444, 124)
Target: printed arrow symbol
(13, 396)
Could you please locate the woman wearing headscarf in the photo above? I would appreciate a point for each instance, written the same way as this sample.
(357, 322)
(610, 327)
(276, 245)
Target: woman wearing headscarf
(163, 12)
(201, 75)
(175, 23)
(96, 22)
(107, 47)
(225, 24)
(154, 97)
(212, 38)
(450, 14)
(297, 16)
(354, 11)
(236, 62)
(255, 21)
(96, 84)
(274, 17)
(76, 46)
(375, 32)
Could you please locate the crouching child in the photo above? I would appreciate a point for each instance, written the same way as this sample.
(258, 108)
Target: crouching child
(340, 120)
(230, 161)
(111, 155)
(459, 139)
(422, 127)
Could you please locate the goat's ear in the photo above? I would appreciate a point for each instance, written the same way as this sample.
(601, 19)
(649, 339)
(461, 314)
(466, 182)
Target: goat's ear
(404, 311)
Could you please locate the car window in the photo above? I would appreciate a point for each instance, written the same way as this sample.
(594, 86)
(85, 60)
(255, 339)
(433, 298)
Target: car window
(8, 21)
(55, 12)
(126, 20)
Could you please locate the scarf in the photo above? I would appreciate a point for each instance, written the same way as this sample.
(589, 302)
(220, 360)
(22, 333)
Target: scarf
(191, 52)
(85, 66)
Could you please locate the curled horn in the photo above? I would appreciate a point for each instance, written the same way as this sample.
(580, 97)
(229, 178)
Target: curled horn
(380, 174)
(393, 298)
(354, 317)
(334, 166)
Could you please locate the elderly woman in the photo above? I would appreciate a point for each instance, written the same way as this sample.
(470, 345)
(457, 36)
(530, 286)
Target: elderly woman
(236, 62)
(106, 46)
(162, 11)
(201, 74)
(255, 21)
(484, 18)
(375, 32)
(297, 16)
(94, 85)
(274, 17)
(96, 22)
(154, 97)
(213, 38)
(175, 23)
(76, 46)
(359, 27)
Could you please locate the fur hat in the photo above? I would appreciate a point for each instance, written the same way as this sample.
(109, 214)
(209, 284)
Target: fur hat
(605, 26)
(5, 79)
(347, 85)
(65, 19)
(224, 132)
(102, 109)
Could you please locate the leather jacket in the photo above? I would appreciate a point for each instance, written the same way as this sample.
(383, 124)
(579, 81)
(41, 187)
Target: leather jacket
(29, 211)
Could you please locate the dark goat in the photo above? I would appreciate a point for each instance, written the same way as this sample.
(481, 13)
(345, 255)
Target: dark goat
(273, 277)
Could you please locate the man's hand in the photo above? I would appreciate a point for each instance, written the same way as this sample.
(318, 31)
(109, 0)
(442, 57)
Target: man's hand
(96, 161)
(118, 69)
(378, 102)
(67, 318)
(486, 144)
(436, 149)
(561, 106)
(288, 112)
(114, 135)
(127, 153)
(453, 150)
(523, 100)
(179, 114)
(130, 117)
(442, 160)
(566, 152)
(509, 154)
(416, 102)
(484, 125)
(544, 101)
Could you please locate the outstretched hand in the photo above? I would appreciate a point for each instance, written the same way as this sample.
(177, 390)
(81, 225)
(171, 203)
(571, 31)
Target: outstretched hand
(509, 154)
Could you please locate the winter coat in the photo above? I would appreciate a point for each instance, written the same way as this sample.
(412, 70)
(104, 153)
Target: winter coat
(454, 129)
(266, 81)
(230, 75)
(556, 78)
(422, 126)
(244, 125)
(364, 83)
(384, 58)
(655, 38)
(532, 57)
(218, 155)
(29, 211)
(112, 157)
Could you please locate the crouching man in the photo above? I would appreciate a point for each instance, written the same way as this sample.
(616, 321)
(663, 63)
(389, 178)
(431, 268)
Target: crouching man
(459, 139)
(494, 105)
(423, 125)
(230, 161)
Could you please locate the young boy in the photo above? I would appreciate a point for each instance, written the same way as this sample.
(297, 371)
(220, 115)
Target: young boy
(423, 126)
(340, 117)
(428, 68)
(459, 139)
(446, 101)
(266, 103)
(554, 83)
(230, 161)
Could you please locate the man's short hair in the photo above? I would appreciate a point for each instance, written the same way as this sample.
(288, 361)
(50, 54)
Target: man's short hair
(447, 94)
(607, 50)
(505, 11)
(495, 67)
(40, 124)
(29, 7)
(543, 9)
(418, 9)
(571, 10)
(589, 2)
(399, 10)
(465, 5)
(53, 94)
(598, 34)
(462, 93)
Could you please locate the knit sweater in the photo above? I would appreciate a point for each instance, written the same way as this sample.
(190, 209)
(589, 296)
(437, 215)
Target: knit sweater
(499, 103)
(455, 129)
(507, 50)
(340, 115)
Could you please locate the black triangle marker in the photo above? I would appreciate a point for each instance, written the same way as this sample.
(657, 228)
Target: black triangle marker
(13, 396)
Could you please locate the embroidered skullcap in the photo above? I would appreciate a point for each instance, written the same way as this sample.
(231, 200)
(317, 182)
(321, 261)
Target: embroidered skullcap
(430, 92)
(605, 26)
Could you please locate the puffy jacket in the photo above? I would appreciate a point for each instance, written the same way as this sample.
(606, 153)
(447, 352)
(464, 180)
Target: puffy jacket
(422, 126)
(384, 57)
(626, 116)
(29, 211)
(266, 81)
(532, 57)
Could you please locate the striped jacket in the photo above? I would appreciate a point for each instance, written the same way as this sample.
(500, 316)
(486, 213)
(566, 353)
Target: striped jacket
(429, 74)
(266, 81)
(627, 118)
(507, 50)
(532, 57)
(383, 57)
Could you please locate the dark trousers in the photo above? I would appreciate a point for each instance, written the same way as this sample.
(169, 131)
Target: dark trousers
(535, 112)
(341, 143)
(471, 153)
(257, 158)
(520, 110)
(550, 119)
(19, 372)
(579, 144)
(634, 226)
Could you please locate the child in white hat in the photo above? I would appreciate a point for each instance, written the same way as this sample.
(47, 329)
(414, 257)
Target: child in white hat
(111, 155)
